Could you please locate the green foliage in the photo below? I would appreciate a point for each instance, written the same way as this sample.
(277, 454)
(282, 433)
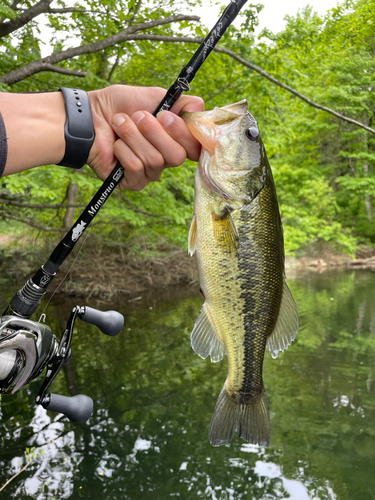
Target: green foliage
(324, 168)
(333, 161)
(7, 12)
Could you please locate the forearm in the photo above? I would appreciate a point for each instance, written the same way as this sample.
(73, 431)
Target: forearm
(35, 129)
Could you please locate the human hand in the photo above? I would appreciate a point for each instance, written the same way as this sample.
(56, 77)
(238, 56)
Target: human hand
(126, 131)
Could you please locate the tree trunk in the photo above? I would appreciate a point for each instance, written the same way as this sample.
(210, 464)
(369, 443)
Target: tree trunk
(71, 194)
(366, 169)
(367, 197)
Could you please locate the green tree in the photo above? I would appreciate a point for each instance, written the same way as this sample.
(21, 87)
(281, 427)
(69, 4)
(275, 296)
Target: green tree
(325, 167)
(323, 163)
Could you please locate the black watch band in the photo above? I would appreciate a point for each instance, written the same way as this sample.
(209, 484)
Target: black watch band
(79, 128)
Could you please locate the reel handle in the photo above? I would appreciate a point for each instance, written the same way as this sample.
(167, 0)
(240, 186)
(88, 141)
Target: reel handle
(77, 408)
(109, 322)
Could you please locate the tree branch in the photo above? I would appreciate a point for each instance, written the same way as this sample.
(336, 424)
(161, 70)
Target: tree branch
(106, 240)
(39, 205)
(126, 35)
(14, 4)
(113, 69)
(31, 223)
(179, 39)
(64, 71)
(13, 7)
(292, 90)
(42, 7)
(130, 34)
(143, 212)
(136, 10)
(59, 11)
(65, 10)
(14, 24)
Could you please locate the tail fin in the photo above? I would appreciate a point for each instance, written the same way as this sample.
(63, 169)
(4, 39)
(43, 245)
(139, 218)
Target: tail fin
(251, 420)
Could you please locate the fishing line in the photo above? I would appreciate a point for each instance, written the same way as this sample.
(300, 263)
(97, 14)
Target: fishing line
(42, 315)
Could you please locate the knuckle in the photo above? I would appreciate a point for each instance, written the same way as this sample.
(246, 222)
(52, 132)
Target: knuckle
(180, 157)
(146, 123)
(129, 161)
(202, 103)
(138, 186)
(157, 162)
(177, 158)
(134, 164)
(158, 91)
(199, 102)
(153, 161)
(128, 129)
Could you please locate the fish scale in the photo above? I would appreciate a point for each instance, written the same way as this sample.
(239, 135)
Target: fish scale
(236, 235)
(261, 282)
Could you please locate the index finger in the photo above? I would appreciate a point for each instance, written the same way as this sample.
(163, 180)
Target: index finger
(188, 103)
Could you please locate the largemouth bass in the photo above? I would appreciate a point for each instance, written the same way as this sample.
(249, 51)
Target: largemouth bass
(237, 237)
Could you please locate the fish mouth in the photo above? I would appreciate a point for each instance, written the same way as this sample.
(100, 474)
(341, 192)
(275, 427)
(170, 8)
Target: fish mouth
(205, 125)
(221, 132)
(227, 114)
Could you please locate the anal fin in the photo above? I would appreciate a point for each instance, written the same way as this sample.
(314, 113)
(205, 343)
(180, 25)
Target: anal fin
(204, 339)
(286, 327)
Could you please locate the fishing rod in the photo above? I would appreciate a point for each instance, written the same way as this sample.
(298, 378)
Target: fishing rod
(27, 347)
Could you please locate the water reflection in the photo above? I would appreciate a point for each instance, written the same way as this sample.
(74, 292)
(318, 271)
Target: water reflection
(154, 400)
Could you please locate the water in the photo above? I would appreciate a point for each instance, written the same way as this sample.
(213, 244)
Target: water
(154, 398)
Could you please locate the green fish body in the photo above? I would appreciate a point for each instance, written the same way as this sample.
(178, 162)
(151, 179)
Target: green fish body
(237, 237)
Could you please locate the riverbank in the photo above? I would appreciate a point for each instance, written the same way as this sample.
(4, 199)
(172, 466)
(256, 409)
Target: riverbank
(102, 271)
(108, 271)
(326, 259)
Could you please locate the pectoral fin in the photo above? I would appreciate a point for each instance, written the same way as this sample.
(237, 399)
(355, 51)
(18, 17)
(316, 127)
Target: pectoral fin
(286, 327)
(192, 236)
(204, 339)
(225, 231)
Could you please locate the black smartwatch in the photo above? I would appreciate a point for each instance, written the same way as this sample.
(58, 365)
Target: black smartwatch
(79, 128)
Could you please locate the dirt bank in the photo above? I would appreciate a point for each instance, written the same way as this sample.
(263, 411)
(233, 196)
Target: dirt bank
(106, 271)
(325, 259)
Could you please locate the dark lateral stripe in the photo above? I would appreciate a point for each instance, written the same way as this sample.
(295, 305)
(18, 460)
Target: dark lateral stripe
(261, 276)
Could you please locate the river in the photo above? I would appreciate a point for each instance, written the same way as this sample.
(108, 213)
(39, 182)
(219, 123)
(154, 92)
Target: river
(154, 398)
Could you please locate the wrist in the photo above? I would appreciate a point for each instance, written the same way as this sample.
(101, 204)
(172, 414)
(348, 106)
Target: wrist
(98, 118)
(101, 157)
(78, 129)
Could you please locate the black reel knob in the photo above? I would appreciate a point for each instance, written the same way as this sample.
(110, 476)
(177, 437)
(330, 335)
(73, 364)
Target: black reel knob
(109, 322)
(77, 408)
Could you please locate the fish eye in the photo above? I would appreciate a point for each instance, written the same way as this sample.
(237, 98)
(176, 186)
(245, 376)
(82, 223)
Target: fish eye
(252, 133)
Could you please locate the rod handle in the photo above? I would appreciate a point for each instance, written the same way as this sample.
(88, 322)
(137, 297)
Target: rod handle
(109, 322)
(77, 408)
